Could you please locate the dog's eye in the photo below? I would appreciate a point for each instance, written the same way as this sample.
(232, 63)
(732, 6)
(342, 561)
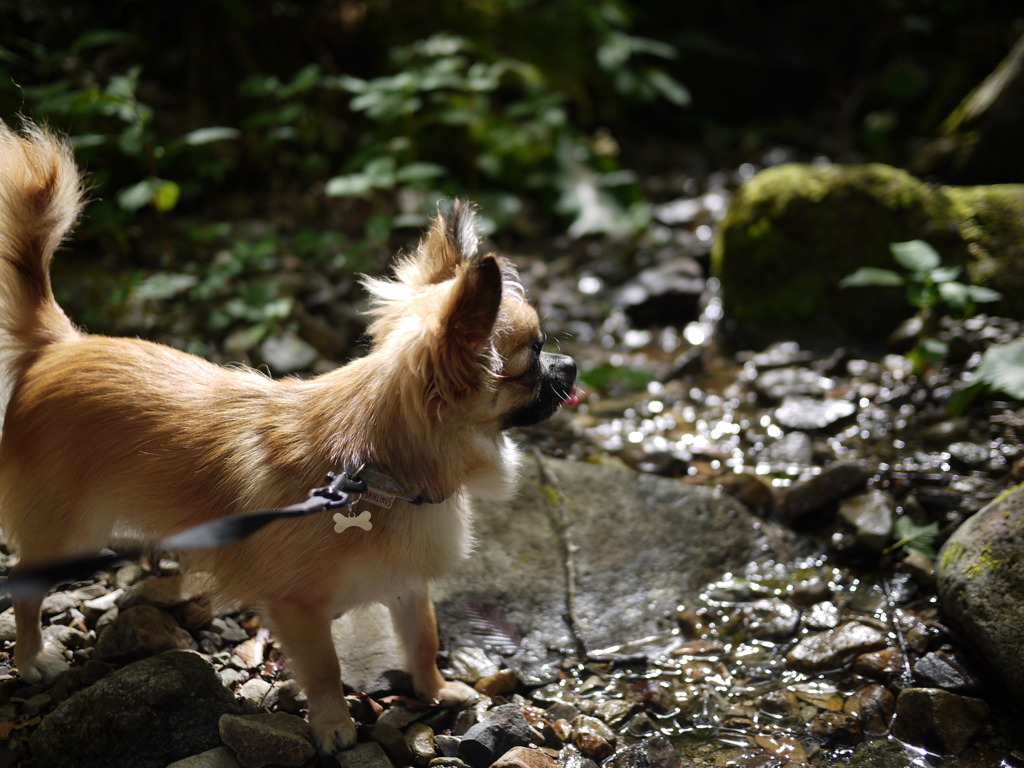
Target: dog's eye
(538, 345)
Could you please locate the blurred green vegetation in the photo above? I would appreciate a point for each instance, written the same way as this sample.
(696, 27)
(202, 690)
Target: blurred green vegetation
(249, 157)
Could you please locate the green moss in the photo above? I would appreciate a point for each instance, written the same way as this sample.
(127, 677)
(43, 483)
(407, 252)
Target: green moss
(794, 231)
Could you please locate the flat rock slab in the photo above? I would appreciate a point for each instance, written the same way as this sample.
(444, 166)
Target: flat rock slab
(632, 547)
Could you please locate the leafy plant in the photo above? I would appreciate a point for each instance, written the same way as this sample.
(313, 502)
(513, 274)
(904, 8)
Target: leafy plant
(929, 285)
(1001, 370)
(913, 537)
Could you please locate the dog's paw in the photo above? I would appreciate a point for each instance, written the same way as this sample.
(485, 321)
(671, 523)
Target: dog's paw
(456, 695)
(334, 734)
(47, 666)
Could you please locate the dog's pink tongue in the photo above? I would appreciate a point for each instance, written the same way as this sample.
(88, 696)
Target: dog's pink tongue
(571, 400)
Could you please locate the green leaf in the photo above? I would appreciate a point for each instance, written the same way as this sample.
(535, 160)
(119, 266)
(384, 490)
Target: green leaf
(1002, 368)
(871, 276)
(164, 285)
(166, 195)
(981, 295)
(915, 255)
(210, 134)
(418, 172)
(914, 537)
(957, 295)
(945, 274)
(137, 196)
(349, 185)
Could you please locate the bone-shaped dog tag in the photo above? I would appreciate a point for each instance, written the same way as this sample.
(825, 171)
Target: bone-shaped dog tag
(343, 522)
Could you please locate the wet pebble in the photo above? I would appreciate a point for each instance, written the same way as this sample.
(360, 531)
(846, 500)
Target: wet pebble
(834, 648)
(771, 618)
(835, 481)
(593, 738)
(368, 754)
(794, 449)
(942, 670)
(504, 727)
(937, 719)
(836, 728)
(776, 384)
(870, 514)
(874, 705)
(523, 757)
(886, 664)
(749, 489)
(810, 414)
(655, 752)
(267, 739)
(141, 630)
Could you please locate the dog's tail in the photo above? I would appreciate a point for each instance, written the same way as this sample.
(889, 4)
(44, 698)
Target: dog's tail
(41, 195)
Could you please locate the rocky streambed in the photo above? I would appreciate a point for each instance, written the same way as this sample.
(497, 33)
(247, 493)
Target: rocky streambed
(723, 558)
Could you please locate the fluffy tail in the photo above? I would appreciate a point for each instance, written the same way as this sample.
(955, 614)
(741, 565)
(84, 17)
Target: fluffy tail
(40, 197)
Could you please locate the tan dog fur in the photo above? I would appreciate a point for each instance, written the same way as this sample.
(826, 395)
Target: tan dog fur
(113, 437)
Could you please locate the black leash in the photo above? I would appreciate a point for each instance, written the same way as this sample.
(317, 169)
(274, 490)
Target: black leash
(36, 580)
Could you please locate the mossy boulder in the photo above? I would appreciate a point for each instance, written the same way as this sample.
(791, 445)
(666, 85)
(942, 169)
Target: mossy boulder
(980, 574)
(794, 231)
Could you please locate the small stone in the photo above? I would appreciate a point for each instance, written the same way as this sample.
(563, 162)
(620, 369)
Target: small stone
(447, 745)
(780, 702)
(448, 762)
(267, 739)
(794, 449)
(142, 630)
(471, 664)
(258, 693)
(811, 414)
(504, 728)
(968, 455)
(369, 754)
(834, 648)
(749, 489)
(920, 567)
(398, 716)
(221, 757)
(560, 710)
(937, 719)
(870, 514)
(419, 739)
(34, 705)
(594, 739)
(655, 752)
(501, 683)
(823, 615)
(771, 618)
(7, 628)
(100, 605)
(836, 728)
(886, 664)
(524, 757)
(786, 747)
(874, 705)
(393, 742)
(835, 481)
(940, 669)
(778, 383)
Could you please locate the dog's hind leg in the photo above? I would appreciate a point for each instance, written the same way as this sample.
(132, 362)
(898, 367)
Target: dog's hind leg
(305, 635)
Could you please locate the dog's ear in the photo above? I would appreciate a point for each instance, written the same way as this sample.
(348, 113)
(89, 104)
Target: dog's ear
(455, 359)
(451, 240)
(472, 305)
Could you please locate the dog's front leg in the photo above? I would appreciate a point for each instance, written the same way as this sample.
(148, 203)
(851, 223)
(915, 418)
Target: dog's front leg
(412, 614)
(305, 634)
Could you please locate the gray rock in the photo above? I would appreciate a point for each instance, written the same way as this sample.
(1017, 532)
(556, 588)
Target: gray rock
(366, 755)
(393, 742)
(811, 414)
(938, 720)
(592, 737)
(524, 757)
(420, 740)
(870, 514)
(141, 630)
(981, 583)
(267, 739)
(835, 481)
(940, 669)
(655, 752)
(771, 618)
(778, 383)
(834, 648)
(257, 693)
(504, 728)
(221, 757)
(794, 449)
(7, 628)
(146, 715)
(689, 536)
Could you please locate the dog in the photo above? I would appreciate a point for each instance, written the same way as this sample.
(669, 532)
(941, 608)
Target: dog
(107, 438)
